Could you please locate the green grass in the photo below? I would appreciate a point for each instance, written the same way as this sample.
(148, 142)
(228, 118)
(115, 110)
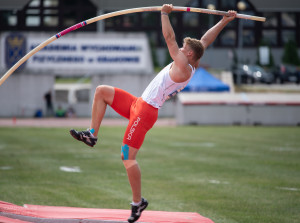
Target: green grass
(72, 80)
(228, 174)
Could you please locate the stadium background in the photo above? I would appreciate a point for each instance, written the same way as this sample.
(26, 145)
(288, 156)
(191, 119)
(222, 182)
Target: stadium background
(25, 24)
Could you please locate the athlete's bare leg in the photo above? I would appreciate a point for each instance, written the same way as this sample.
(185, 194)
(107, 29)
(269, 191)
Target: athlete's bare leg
(104, 95)
(133, 173)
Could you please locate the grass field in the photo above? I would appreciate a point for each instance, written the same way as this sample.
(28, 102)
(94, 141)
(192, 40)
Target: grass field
(228, 174)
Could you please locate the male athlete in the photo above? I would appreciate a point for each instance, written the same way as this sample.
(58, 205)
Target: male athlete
(142, 111)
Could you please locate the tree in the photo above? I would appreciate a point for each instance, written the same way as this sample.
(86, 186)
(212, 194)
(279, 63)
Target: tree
(290, 54)
(153, 54)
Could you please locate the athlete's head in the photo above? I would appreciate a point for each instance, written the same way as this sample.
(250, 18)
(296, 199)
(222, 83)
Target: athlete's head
(196, 46)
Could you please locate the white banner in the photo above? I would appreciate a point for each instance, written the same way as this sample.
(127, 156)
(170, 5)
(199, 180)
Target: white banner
(88, 53)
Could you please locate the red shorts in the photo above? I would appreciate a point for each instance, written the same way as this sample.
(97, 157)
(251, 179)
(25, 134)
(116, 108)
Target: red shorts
(141, 115)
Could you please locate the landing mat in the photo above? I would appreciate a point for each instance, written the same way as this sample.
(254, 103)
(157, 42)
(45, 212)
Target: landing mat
(55, 214)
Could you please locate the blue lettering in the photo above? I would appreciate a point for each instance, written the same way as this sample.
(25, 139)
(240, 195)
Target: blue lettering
(57, 47)
(98, 48)
(58, 59)
(118, 59)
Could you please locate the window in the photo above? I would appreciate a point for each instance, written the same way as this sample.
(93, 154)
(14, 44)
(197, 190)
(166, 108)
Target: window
(288, 35)
(130, 21)
(205, 3)
(193, 34)
(47, 15)
(61, 96)
(152, 36)
(82, 95)
(174, 18)
(248, 38)
(50, 11)
(190, 19)
(32, 11)
(194, 3)
(8, 18)
(270, 36)
(289, 27)
(228, 38)
(12, 20)
(50, 3)
(51, 21)
(228, 4)
(271, 21)
(247, 22)
(69, 18)
(32, 21)
(150, 19)
(288, 19)
(34, 3)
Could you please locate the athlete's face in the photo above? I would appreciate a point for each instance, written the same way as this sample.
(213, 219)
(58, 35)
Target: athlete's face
(185, 49)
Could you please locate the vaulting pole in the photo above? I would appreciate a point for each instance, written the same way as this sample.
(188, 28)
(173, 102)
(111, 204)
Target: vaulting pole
(113, 14)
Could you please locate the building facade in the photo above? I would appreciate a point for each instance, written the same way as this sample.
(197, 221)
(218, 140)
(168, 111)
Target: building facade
(241, 36)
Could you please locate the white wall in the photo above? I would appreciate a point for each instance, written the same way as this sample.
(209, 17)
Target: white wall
(22, 94)
(238, 109)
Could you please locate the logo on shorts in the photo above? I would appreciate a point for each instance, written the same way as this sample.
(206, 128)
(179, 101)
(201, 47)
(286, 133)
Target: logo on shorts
(132, 129)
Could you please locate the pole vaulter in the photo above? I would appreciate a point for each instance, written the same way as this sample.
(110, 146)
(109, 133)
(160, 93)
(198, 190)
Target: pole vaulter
(113, 14)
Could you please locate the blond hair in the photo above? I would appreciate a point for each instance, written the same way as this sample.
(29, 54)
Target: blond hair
(196, 46)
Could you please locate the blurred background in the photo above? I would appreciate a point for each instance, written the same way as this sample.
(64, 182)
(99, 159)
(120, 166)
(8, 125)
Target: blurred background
(250, 75)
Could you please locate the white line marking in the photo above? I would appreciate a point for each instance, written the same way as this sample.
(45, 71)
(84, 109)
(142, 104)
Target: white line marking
(72, 169)
(6, 168)
(288, 188)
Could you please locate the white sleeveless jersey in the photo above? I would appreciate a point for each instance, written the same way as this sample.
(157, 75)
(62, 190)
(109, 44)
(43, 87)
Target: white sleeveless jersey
(162, 87)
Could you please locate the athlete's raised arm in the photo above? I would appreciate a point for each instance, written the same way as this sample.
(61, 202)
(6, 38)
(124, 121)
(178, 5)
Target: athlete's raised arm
(180, 59)
(210, 36)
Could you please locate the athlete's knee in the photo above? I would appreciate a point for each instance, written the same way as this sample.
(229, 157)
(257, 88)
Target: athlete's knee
(129, 163)
(125, 152)
(101, 90)
(127, 160)
(104, 92)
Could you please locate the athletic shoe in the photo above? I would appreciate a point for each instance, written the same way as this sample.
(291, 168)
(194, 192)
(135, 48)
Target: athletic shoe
(136, 211)
(84, 136)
